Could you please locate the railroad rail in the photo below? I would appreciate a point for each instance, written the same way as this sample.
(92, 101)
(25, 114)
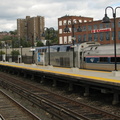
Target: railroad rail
(58, 106)
(11, 109)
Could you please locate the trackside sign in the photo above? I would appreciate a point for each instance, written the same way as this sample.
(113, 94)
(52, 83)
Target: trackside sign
(101, 30)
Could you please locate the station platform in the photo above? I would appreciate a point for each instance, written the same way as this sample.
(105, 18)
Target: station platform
(75, 72)
(106, 82)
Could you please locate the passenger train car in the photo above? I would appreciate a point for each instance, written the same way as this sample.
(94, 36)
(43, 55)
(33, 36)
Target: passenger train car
(87, 55)
(102, 57)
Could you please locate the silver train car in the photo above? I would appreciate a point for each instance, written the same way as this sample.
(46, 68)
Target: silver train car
(87, 55)
(62, 55)
(102, 57)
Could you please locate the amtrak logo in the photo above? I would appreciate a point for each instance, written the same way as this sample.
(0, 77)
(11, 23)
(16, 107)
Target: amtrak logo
(92, 59)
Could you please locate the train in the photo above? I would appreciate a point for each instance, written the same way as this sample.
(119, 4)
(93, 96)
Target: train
(86, 55)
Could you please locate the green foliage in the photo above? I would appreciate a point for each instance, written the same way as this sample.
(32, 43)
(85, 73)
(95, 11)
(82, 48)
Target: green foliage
(13, 32)
(39, 44)
(5, 38)
(0, 45)
(2, 52)
(51, 35)
(24, 43)
(15, 52)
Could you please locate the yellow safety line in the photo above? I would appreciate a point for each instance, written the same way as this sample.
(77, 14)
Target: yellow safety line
(70, 74)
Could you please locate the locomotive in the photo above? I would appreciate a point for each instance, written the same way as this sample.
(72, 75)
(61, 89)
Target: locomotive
(87, 55)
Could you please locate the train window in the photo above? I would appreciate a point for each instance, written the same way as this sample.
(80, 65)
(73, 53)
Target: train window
(113, 59)
(58, 49)
(68, 48)
(103, 59)
(45, 50)
(84, 59)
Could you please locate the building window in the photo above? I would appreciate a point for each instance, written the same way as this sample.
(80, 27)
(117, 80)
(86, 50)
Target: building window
(75, 39)
(84, 28)
(65, 39)
(89, 27)
(69, 39)
(79, 38)
(69, 22)
(101, 36)
(80, 21)
(89, 37)
(84, 37)
(94, 26)
(60, 23)
(60, 40)
(75, 29)
(60, 31)
(64, 22)
(107, 25)
(101, 26)
(119, 24)
(112, 24)
(112, 35)
(95, 37)
(107, 36)
(70, 30)
(118, 35)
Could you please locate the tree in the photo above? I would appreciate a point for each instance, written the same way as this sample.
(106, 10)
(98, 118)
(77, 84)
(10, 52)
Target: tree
(52, 36)
(2, 52)
(15, 52)
(39, 44)
(5, 38)
(13, 32)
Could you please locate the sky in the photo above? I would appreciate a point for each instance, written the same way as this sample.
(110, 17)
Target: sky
(11, 10)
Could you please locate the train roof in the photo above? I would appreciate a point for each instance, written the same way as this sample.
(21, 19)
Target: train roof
(102, 49)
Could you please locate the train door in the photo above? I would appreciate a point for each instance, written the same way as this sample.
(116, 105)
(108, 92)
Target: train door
(81, 59)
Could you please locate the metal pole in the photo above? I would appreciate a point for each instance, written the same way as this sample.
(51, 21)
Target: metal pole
(1, 51)
(21, 54)
(48, 46)
(48, 53)
(114, 16)
(73, 44)
(32, 51)
(6, 52)
(12, 51)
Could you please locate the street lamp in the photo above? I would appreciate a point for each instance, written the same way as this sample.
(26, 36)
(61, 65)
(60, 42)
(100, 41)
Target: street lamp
(48, 31)
(79, 29)
(107, 20)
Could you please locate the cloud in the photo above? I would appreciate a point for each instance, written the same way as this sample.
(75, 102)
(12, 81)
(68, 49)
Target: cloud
(10, 11)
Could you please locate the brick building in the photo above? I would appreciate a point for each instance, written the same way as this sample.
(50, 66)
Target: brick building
(91, 30)
(30, 28)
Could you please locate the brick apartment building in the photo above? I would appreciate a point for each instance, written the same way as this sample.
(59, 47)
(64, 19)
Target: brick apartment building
(91, 30)
(30, 28)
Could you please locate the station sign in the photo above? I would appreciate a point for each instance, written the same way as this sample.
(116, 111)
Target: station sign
(101, 30)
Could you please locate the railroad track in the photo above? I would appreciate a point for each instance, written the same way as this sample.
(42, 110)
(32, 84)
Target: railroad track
(58, 106)
(12, 110)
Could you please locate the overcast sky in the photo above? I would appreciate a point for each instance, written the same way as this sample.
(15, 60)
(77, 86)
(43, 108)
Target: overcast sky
(11, 10)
